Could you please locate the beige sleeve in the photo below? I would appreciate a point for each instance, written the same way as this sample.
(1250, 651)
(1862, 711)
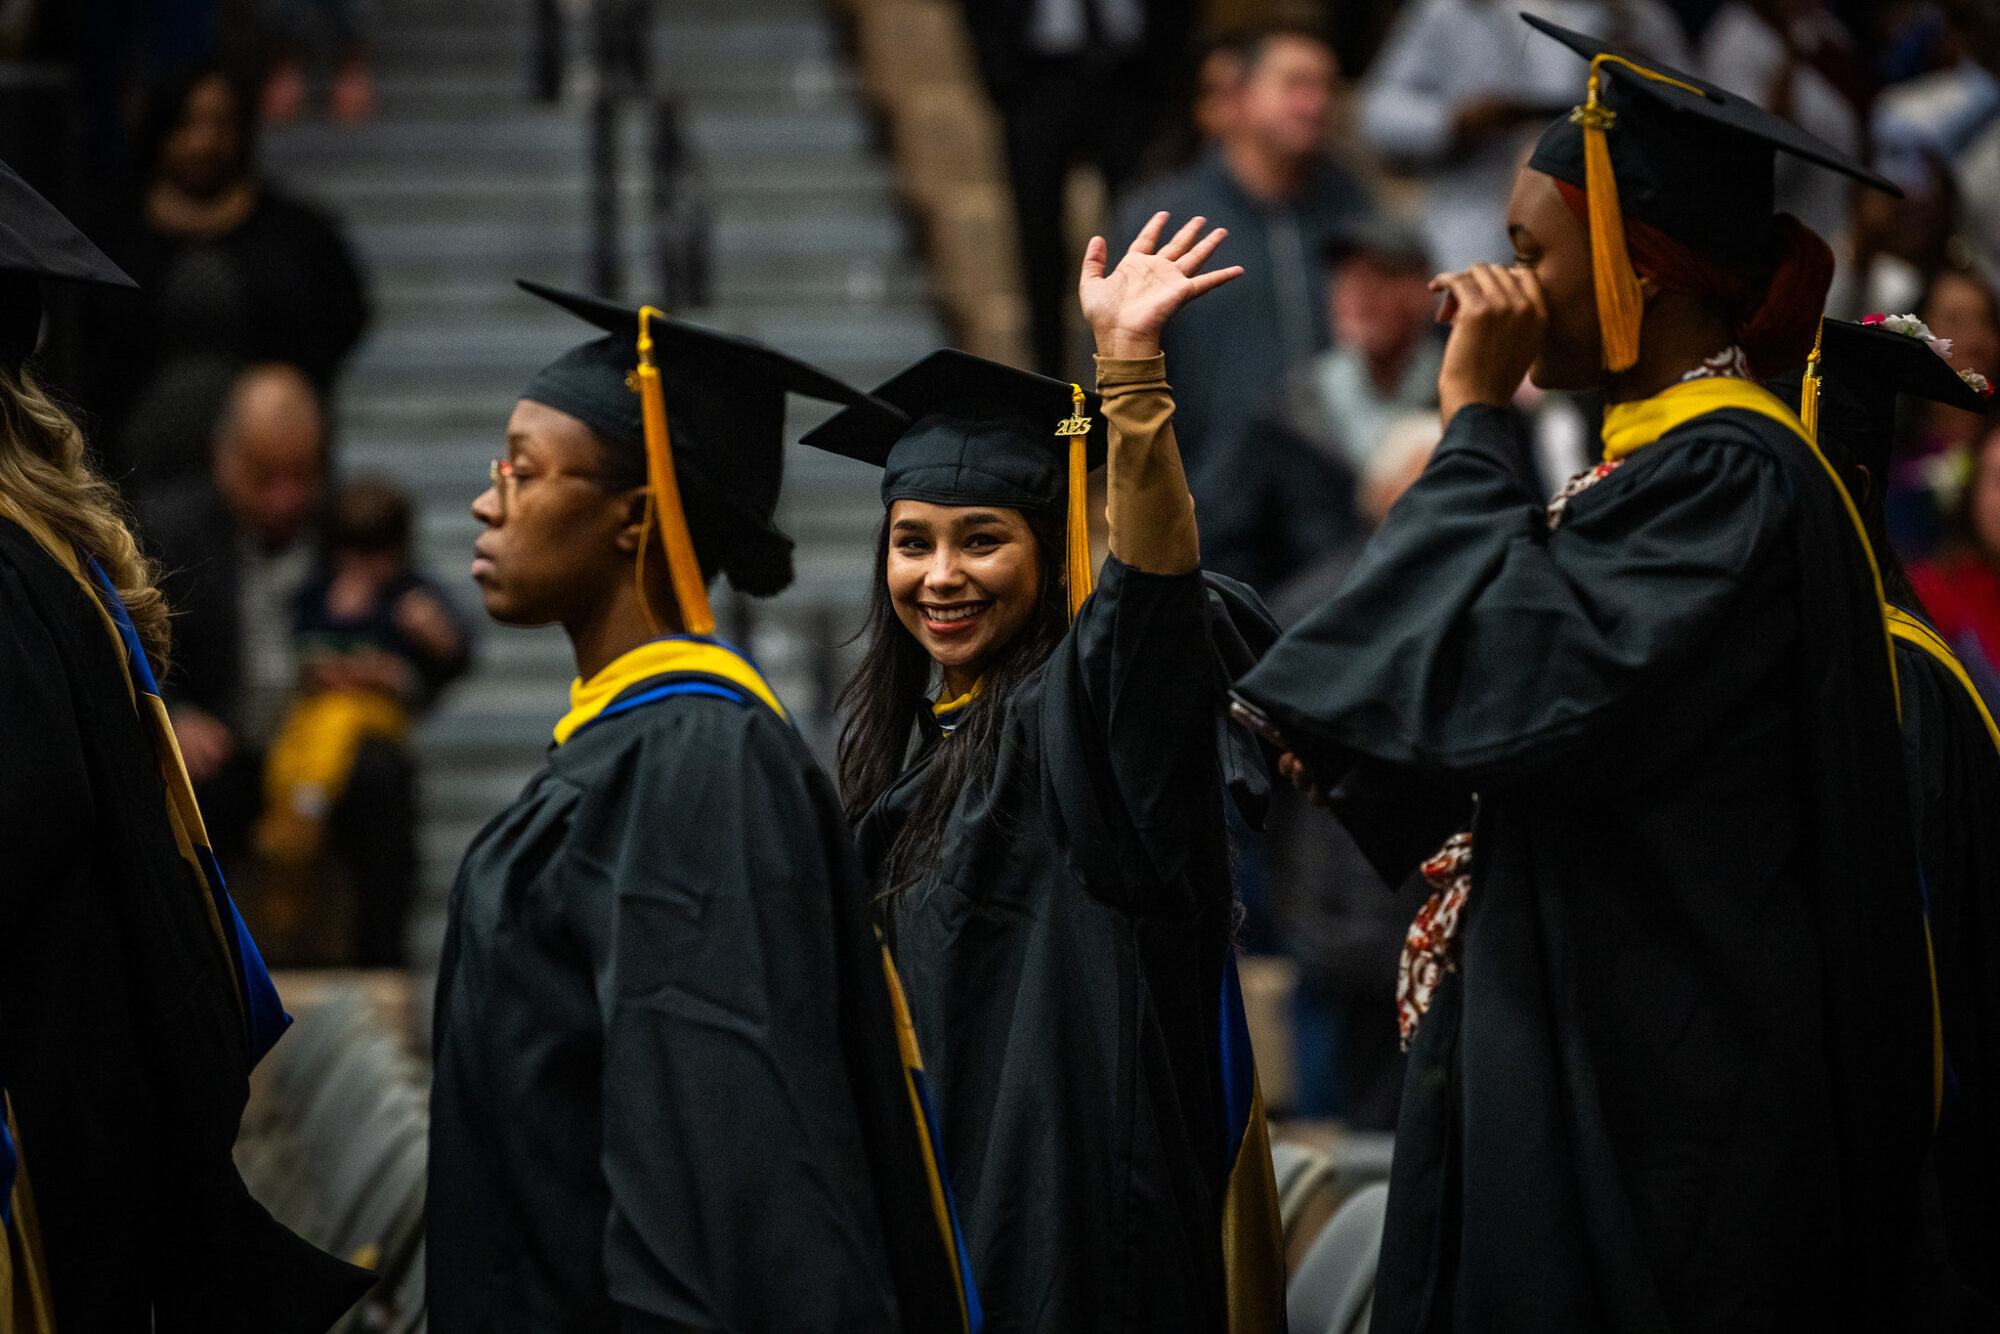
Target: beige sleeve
(1147, 505)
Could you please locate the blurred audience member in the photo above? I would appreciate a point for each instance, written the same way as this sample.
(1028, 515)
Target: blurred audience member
(1461, 88)
(374, 640)
(231, 270)
(1935, 442)
(1271, 182)
(1074, 80)
(1336, 919)
(1282, 492)
(239, 549)
(1796, 59)
(1961, 588)
(1931, 132)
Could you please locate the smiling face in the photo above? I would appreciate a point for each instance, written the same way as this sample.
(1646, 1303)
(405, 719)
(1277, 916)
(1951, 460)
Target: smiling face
(556, 542)
(963, 581)
(1553, 244)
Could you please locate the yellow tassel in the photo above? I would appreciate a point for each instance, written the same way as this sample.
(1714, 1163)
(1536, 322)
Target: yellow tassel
(1620, 303)
(1809, 388)
(1076, 554)
(663, 499)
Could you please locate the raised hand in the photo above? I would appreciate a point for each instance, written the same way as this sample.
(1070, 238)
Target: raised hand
(1128, 306)
(1498, 318)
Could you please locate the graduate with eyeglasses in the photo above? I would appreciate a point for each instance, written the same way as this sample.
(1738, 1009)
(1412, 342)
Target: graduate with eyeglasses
(1668, 1000)
(676, 1087)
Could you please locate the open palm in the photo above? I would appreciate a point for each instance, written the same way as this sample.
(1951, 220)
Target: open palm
(1132, 302)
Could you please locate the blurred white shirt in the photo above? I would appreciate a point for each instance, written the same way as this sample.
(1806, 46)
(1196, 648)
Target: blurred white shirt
(1442, 54)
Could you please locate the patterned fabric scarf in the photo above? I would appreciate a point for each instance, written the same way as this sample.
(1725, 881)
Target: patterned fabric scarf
(1431, 948)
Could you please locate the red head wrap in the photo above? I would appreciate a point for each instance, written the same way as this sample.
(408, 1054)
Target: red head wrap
(1773, 319)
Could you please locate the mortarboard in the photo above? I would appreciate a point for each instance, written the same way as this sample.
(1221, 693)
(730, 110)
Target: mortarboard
(37, 242)
(1692, 159)
(1849, 393)
(981, 433)
(725, 398)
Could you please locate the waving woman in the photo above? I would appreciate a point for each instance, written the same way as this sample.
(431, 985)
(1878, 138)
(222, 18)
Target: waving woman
(1033, 767)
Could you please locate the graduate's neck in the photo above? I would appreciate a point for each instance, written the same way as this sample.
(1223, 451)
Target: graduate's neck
(608, 632)
(1678, 333)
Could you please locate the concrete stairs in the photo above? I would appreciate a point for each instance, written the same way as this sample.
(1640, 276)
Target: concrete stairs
(461, 184)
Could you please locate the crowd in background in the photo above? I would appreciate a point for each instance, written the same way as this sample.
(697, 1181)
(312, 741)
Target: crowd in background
(1352, 148)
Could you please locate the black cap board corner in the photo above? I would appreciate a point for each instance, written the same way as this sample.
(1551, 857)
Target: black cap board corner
(978, 433)
(1863, 368)
(725, 396)
(1696, 161)
(37, 244)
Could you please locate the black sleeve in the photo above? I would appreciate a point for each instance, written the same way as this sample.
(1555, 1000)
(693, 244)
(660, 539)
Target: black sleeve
(46, 807)
(1127, 732)
(737, 1176)
(1474, 643)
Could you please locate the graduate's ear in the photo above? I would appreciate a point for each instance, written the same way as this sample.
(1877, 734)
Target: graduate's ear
(633, 527)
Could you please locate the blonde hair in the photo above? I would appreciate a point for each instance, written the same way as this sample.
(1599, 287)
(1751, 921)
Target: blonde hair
(47, 480)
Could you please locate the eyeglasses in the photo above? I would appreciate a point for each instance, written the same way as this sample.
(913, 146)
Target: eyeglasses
(504, 476)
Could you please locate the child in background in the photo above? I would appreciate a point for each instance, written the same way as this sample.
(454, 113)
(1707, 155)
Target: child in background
(376, 640)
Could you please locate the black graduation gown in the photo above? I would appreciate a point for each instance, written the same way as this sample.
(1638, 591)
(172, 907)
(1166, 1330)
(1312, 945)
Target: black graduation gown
(1064, 965)
(121, 1041)
(1680, 1080)
(1954, 777)
(668, 1094)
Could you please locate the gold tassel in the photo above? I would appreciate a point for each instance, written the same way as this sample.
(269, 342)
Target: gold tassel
(663, 499)
(1809, 388)
(1076, 554)
(1620, 303)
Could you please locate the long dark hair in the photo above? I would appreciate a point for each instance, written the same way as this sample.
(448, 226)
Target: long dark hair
(884, 698)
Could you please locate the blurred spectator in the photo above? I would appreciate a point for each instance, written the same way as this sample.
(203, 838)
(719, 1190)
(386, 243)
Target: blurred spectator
(1935, 442)
(295, 26)
(374, 639)
(1073, 79)
(1336, 919)
(239, 549)
(1281, 493)
(1794, 58)
(231, 270)
(1931, 130)
(1461, 87)
(1270, 181)
(1961, 588)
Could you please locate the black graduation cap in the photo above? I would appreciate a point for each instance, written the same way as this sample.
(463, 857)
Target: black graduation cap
(1692, 159)
(981, 433)
(1862, 368)
(725, 398)
(977, 433)
(37, 242)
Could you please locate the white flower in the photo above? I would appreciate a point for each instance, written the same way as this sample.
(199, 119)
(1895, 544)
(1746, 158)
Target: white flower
(1909, 326)
(1977, 382)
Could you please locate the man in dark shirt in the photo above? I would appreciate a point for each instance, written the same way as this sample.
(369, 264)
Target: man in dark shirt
(237, 549)
(1270, 181)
